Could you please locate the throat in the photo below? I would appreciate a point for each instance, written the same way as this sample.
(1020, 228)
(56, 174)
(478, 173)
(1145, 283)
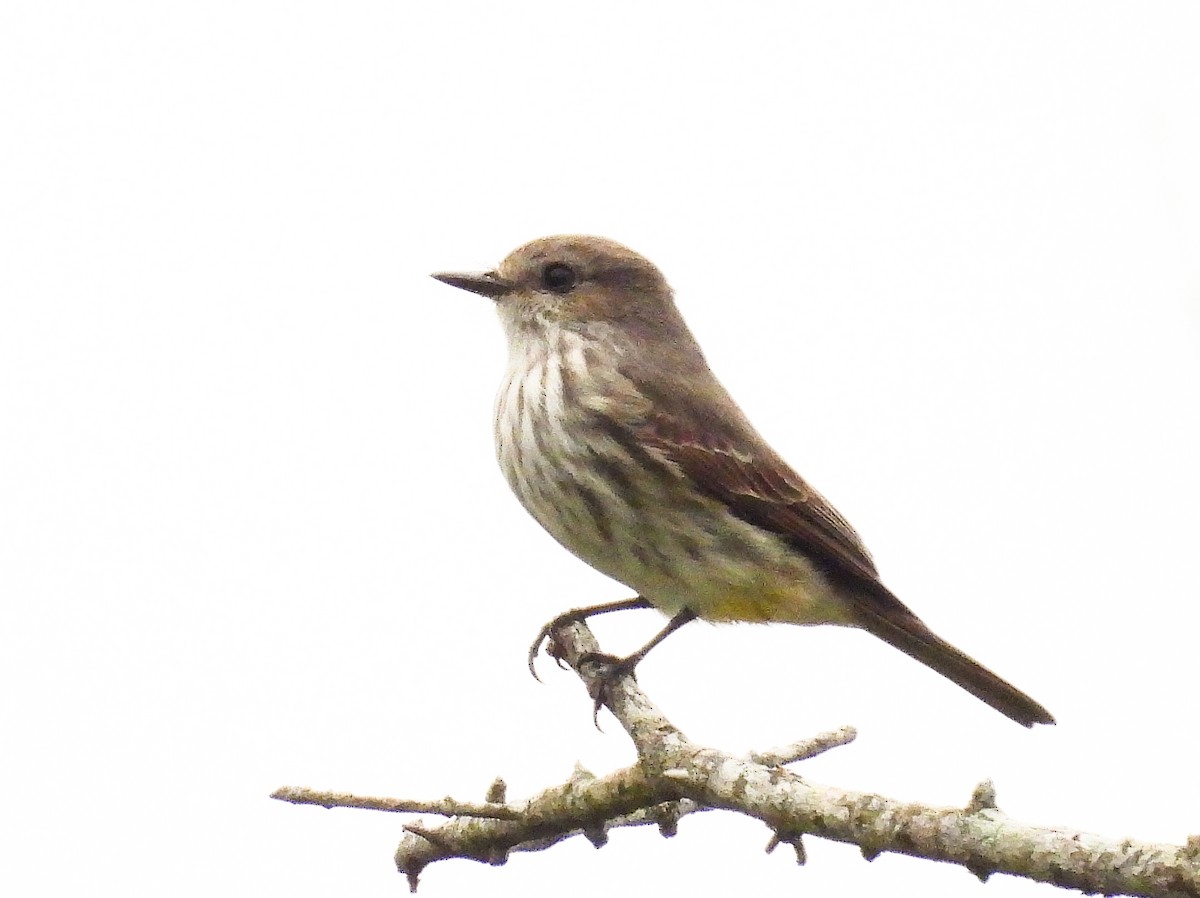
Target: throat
(543, 425)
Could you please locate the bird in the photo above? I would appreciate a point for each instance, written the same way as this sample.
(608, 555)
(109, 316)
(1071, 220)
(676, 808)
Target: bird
(615, 435)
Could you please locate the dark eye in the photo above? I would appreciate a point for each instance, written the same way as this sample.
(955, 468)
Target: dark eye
(559, 277)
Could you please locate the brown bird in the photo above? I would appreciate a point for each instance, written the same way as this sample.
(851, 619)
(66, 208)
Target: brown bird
(619, 440)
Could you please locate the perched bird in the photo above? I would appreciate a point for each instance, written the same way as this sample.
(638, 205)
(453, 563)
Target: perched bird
(619, 440)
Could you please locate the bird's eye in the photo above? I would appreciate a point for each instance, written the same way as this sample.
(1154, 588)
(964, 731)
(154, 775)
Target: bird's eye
(559, 277)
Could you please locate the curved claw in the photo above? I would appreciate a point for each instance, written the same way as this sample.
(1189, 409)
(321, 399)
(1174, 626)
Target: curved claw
(544, 634)
(575, 615)
(612, 669)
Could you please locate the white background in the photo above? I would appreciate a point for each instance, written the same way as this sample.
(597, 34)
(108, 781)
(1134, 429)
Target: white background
(251, 531)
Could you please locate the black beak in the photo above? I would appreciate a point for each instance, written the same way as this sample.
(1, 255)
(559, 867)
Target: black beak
(485, 283)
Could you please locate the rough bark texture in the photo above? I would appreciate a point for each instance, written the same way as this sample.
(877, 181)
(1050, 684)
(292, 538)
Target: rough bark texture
(673, 777)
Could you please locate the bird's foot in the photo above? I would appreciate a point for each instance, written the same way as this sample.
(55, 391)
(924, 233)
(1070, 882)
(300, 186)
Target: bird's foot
(546, 635)
(574, 616)
(608, 670)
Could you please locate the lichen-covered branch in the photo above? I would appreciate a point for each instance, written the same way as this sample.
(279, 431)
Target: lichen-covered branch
(674, 777)
(446, 807)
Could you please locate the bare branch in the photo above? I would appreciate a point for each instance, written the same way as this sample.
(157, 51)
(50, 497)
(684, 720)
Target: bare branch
(804, 749)
(446, 807)
(674, 777)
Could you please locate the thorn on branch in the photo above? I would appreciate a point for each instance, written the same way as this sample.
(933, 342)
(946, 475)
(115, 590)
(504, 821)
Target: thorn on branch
(1192, 848)
(796, 840)
(983, 873)
(598, 836)
(666, 815)
(581, 776)
(428, 835)
(495, 856)
(983, 798)
(497, 792)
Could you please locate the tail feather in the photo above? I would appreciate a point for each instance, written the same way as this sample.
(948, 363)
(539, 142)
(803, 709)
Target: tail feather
(905, 631)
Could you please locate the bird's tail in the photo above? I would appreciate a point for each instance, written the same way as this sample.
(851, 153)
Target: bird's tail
(905, 631)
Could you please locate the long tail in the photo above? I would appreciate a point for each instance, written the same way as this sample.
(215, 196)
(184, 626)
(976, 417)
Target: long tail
(905, 631)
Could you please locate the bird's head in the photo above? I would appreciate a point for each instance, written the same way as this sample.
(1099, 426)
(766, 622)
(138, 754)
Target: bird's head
(574, 282)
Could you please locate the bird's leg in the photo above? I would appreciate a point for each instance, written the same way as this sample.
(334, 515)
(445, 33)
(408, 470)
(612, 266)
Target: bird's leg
(581, 614)
(614, 668)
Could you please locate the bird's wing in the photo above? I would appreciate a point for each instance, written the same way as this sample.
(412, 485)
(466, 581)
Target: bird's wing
(716, 448)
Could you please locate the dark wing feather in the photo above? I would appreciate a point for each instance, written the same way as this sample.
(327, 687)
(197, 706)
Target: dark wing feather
(698, 428)
(711, 442)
